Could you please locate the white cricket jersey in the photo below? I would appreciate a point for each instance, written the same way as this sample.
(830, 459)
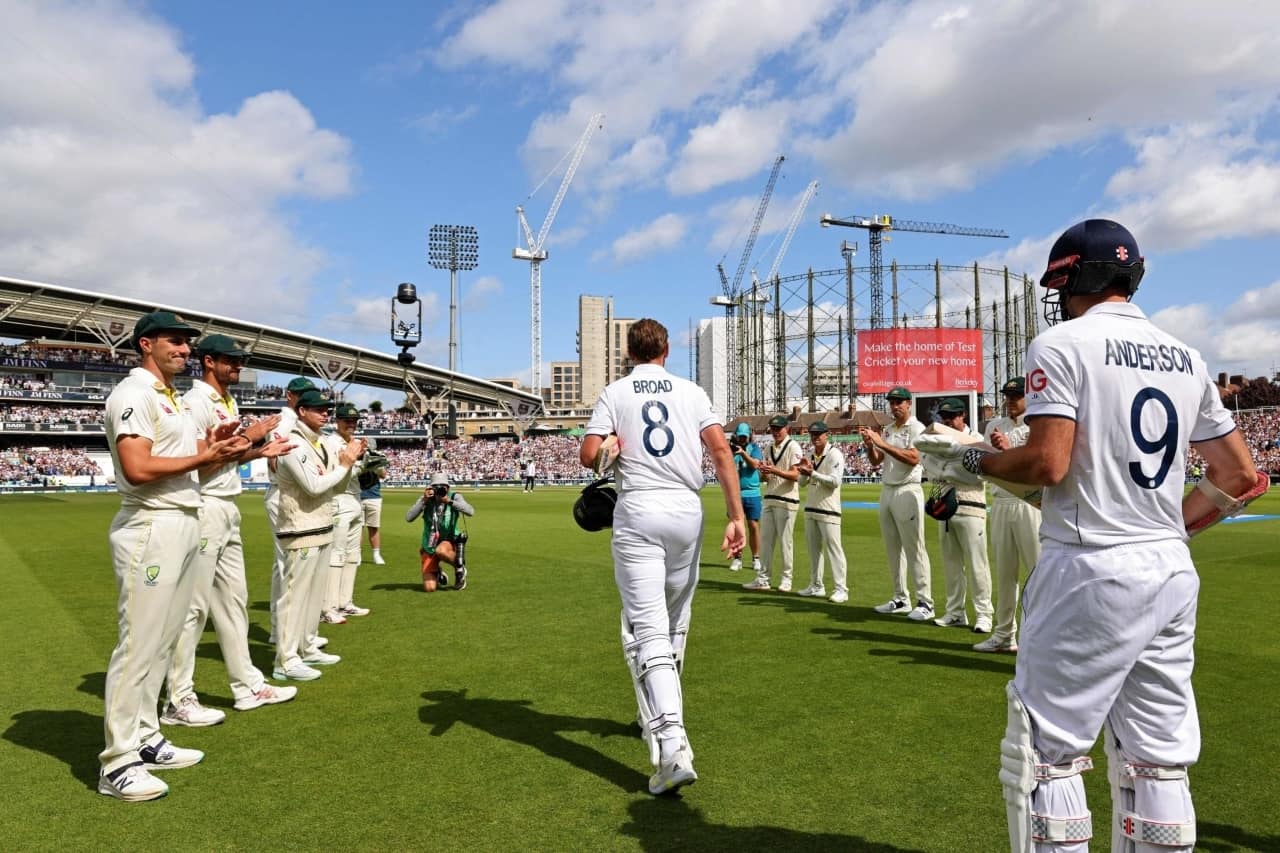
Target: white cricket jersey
(1138, 397)
(210, 410)
(895, 472)
(144, 406)
(1017, 431)
(659, 419)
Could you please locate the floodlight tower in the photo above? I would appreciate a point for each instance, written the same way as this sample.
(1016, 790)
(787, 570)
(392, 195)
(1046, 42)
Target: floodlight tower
(453, 248)
(534, 251)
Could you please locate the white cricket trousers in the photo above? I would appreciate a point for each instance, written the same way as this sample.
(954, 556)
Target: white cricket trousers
(344, 557)
(272, 503)
(1015, 540)
(902, 529)
(219, 590)
(778, 524)
(964, 544)
(152, 552)
(1108, 635)
(298, 608)
(822, 538)
(657, 540)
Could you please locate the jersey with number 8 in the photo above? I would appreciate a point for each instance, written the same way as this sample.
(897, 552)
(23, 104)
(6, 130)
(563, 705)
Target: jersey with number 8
(1138, 396)
(658, 418)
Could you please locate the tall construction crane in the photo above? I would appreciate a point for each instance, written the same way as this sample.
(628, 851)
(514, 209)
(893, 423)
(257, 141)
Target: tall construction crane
(796, 216)
(755, 380)
(534, 250)
(731, 290)
(877, 225)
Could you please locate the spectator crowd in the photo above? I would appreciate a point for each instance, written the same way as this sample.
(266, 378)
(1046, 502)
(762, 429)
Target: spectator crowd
(21, 465)
(555, 456)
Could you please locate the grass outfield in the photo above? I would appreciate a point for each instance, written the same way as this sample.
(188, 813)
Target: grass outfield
(500, 718)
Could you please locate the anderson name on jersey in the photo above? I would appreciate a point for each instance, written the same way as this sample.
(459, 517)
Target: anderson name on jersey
(1138, 396)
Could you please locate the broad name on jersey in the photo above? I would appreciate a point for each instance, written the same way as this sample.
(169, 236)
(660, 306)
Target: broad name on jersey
(650, 386)
(1161, 357)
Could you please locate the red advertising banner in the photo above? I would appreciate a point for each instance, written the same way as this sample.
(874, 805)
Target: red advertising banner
(924, 359)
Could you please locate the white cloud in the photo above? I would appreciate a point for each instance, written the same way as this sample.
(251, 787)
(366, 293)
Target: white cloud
(1245, 338)
(116, 180)
(483, 293)
(646, 64)
(443, 119)
(943, 98)
(662, 233)
(736, 145)
(1196, 182)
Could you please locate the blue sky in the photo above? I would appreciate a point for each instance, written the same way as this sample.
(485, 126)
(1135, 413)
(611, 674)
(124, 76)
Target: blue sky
(284, 161)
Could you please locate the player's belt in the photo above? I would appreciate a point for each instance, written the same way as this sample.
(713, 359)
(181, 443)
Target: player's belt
(294, 534)
(977, 504)
(831, 512)
(781, 498)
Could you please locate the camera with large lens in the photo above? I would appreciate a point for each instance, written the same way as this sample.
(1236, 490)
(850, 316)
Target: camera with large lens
(439, 491)
(741, 440)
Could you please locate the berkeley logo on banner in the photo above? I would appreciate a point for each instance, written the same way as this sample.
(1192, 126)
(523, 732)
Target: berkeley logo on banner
(919, 358)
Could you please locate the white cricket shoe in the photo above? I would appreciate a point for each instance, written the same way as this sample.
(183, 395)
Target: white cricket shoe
(735, 565)
(353, 609)
(674, 773)
(319, 658)
(761, 584)
(895, 606)
(296, 672)
(785, 586)
(982, 625)
(921, 613)
(757, 566)
(189, 712)
(333, 617)
(166, 756)
(811, 591)
(378, 561)
(997, 645)
(320, 642)
(839, 597)
(268, 695)
(955, 620)
(133, 784)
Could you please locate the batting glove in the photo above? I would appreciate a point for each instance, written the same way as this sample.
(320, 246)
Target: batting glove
(940, 446)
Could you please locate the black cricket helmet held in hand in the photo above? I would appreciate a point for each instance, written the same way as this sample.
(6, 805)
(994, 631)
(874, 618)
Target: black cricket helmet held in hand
(593, 510)
(1089, 257)
(943, 502)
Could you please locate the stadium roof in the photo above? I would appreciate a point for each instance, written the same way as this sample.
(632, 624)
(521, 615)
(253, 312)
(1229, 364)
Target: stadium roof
(30, 310)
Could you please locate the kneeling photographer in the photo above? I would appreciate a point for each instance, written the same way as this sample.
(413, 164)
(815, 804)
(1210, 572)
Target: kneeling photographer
(442, 541)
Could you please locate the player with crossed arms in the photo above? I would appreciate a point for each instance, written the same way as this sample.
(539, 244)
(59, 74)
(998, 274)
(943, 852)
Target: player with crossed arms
(662, 423)
(1109, 613)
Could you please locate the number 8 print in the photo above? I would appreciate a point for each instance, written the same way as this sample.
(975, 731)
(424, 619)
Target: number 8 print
(659, 425)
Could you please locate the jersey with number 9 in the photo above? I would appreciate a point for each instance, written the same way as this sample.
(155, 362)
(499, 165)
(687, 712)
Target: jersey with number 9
(1138, 396)
(658, 418)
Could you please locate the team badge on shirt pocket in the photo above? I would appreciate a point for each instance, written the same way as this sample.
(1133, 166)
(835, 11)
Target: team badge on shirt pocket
(152, 574)
(204, 543)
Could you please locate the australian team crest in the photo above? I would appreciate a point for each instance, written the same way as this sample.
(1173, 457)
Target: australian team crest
(152, 574)
(204, 543)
